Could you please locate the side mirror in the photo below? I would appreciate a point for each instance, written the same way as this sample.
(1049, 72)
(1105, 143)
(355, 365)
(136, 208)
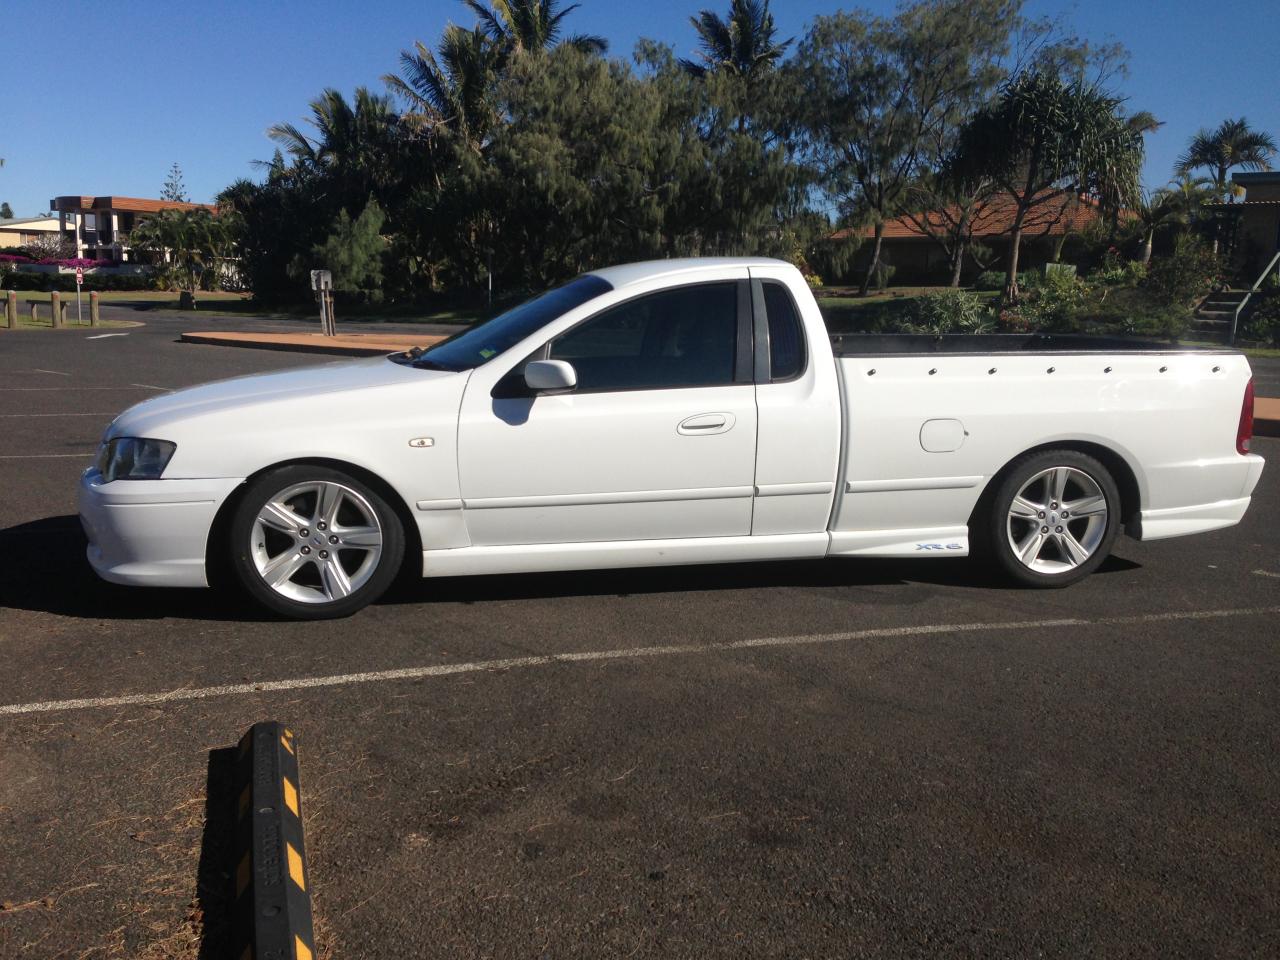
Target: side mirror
(544, 375)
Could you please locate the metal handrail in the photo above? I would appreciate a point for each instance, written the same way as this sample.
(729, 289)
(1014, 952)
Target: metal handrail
(1235, 318)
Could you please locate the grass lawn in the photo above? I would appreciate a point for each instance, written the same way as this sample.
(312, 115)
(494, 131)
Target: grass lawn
(845, 312)
(157, 296)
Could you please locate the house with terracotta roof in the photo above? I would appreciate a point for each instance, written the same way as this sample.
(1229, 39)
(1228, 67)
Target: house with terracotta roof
(100, 226)
(911, 247)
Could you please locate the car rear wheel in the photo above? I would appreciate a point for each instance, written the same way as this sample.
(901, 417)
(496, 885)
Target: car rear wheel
(312, 543)
(1053, 519)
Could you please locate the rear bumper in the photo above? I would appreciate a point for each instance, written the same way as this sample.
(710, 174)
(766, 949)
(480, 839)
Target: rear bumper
(150, 532)
(1203, 517)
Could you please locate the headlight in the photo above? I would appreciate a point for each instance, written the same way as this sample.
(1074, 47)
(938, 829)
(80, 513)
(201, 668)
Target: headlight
(134, 458)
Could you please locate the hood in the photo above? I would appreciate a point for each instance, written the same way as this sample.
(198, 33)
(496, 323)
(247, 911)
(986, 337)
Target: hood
(151, 417)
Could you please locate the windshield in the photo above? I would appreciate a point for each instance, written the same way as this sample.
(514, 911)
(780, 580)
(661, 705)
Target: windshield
(480, 344)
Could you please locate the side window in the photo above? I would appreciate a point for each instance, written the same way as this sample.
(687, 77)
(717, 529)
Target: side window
(685, 337)
(786, 340)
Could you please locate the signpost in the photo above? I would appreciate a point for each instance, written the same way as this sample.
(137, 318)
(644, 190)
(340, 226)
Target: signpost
(79, 284)
(322, 283)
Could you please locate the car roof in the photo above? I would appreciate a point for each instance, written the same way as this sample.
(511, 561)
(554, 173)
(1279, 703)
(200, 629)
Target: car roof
(629, 273)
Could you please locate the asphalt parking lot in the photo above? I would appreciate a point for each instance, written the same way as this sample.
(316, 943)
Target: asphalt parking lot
(839, 759)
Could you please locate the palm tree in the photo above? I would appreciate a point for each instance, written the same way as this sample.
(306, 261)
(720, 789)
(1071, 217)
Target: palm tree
(189, 240)
(1144, 121)
(1154, 212)
(743, 45)
(453, 87)
(345, 132)
(1233, 144)
(1189, 192)
(516, 26)
(1043, 139)
(352, 149)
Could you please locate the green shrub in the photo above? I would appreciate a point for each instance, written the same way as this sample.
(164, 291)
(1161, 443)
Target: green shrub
(951, 311)
(883, 273)
(994, 280)
(1112, 271)
(1186, 274)
(21, 280)
(97, 281)
(66, 282)
(1054, 302)
(1262, 322)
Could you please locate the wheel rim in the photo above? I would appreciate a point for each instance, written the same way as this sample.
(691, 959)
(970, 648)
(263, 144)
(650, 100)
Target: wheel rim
(1057, 520)
(316, 542)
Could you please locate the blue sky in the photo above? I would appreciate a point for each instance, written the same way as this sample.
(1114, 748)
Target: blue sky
(153, 83)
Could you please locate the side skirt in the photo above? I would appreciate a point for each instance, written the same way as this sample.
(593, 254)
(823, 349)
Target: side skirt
(543, 557)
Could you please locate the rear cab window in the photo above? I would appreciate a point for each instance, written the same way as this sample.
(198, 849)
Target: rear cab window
(786, 338)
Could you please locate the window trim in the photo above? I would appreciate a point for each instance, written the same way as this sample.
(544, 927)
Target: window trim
(760, 314)
(743, 373)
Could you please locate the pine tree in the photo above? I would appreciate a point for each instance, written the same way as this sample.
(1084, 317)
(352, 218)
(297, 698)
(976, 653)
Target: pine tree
(354, 251)
(6, 211)
(174, 189)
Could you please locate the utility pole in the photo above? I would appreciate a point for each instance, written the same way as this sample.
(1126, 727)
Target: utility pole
(322, 284)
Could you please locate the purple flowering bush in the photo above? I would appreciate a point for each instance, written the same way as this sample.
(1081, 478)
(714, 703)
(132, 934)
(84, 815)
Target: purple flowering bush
(74, 262)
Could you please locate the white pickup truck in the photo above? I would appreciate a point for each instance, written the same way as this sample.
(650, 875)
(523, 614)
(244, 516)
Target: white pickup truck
(674, 412)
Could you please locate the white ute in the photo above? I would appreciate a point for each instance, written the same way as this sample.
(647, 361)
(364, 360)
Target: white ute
(674, 412)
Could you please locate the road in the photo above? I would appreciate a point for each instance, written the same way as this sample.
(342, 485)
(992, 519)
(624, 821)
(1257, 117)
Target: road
(890, 759)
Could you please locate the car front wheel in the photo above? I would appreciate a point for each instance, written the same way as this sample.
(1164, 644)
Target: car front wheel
(313, 543)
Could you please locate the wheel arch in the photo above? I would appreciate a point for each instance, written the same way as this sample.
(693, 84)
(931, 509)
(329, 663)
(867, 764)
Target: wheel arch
(217, 556)
(1121, 470)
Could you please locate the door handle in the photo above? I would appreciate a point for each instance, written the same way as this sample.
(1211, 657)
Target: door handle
(706, 424)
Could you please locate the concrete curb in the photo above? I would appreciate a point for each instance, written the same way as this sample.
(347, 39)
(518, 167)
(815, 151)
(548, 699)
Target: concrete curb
(349, 345)
(272, 882)
(1266, 417)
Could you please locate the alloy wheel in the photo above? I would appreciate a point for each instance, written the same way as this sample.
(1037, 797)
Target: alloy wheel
(1057, 520)
(316, 542)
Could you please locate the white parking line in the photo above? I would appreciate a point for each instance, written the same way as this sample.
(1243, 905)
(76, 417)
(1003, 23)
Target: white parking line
(58, 372)
(1266, 573)
(151, 386)
(130, 387)
(46, 456)
(103, 336)
(12, 416)
(688, 649)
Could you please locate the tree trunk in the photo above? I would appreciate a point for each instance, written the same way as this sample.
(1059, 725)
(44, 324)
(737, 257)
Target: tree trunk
(957, 263)
(1146, 246)
(1011, 292)
(875, 261)
(1058, 245)
(960, 246)
(1224, 192)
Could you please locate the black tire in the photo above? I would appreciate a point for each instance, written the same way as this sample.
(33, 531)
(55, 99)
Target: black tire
(315, 590)
(1056, 558)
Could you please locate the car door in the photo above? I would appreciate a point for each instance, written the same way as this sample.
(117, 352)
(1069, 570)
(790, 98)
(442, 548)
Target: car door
(656, 441)
(798, 403)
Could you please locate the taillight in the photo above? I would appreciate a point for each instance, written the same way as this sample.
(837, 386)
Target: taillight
(1245, 433)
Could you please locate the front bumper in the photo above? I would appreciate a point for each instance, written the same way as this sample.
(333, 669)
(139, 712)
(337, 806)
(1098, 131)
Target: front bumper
(150, 532)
